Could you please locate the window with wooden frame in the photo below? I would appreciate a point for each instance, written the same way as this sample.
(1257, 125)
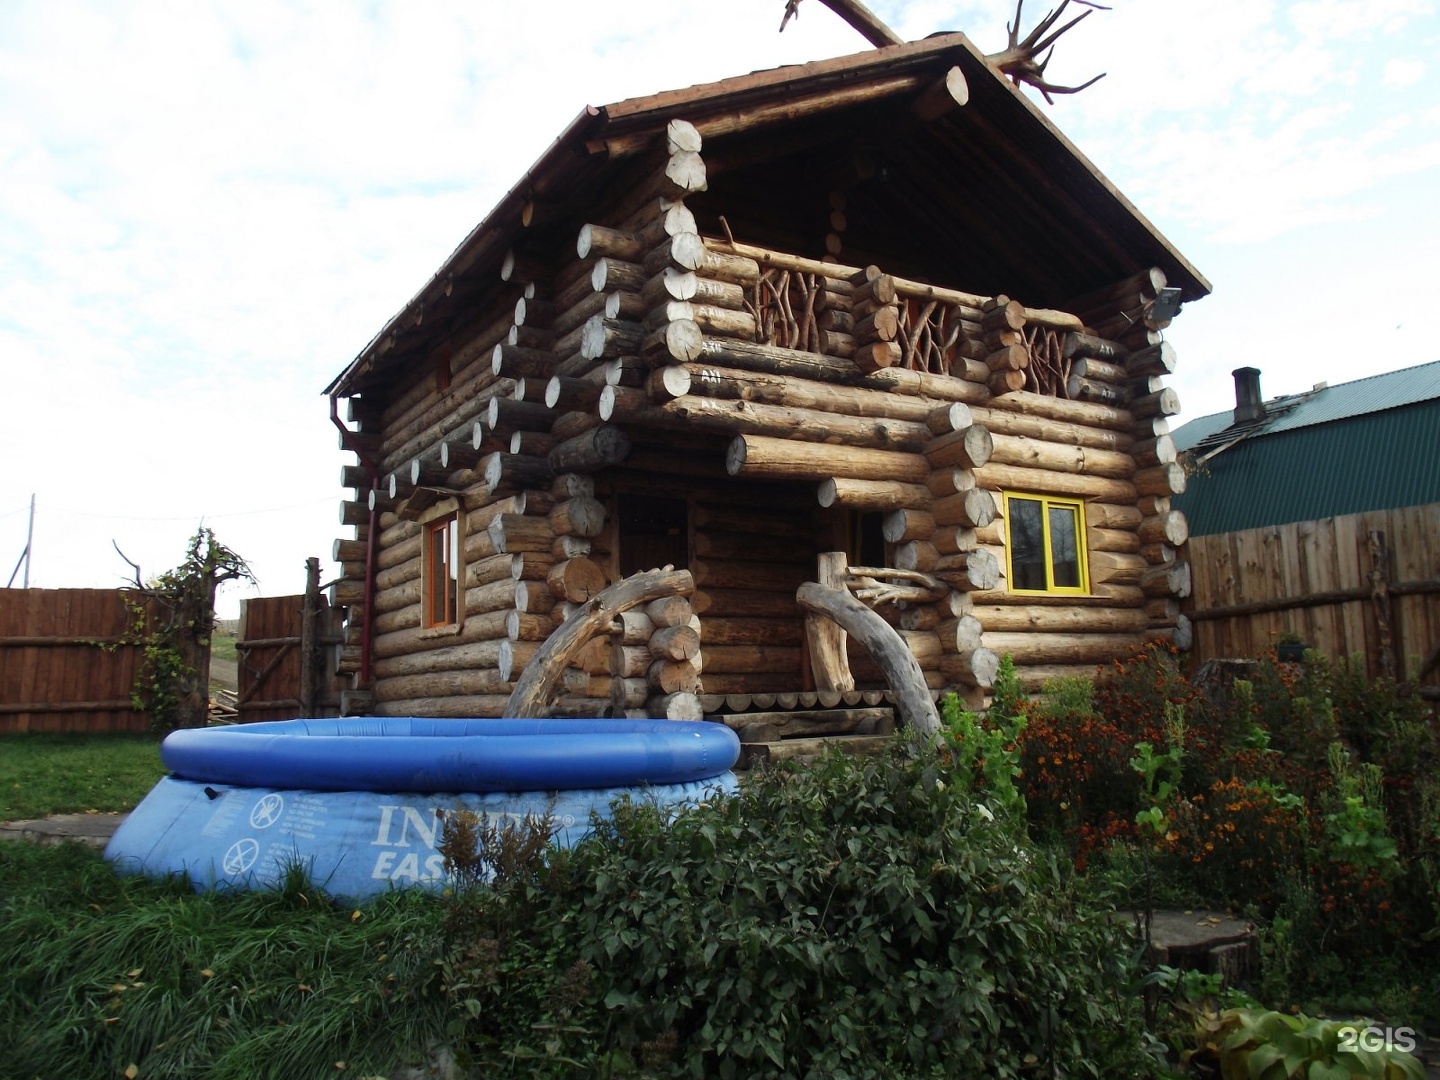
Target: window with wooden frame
(1046, 544)
(442, 571)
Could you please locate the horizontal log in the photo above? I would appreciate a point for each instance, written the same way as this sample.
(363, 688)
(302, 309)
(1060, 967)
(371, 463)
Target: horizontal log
(1102, 594)
(972, 509)
(976, 668)
(692, 413)
(1169, 527)
(1035, 677)
(740, 574)
(1063, 648)
(902, 525)
(441, 684)
(1152, 360)
(916, 555)
(1166, 579)
(762, 456)
(751, 630)
(1025, 618)
(1165, 402)
(999, 477)
(1112, 516)
(1161, 480)
(960, 634)
(733, 600)
(872, 494)
(460, 707)
(1159, 450)
(1116, 568)
(999, 421)
(731, 384)
(591, 450)
(968, 571)
(1112, 540)
(758, 659)
(675, 643)
(1078, 344)
(968, 448)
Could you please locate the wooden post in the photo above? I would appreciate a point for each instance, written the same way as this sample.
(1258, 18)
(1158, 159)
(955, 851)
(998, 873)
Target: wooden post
(1380, 598)
(826, 638)
(309, 653)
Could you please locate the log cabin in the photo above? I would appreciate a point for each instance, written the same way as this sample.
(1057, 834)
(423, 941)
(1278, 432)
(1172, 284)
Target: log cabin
(870, 324)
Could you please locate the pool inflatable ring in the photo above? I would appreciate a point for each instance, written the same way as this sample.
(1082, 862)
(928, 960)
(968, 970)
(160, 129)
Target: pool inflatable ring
(369, 753)
(359, 802)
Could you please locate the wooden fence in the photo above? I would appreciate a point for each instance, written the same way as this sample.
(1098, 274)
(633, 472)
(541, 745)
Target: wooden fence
(1364, 585)
(285, 649)
(64, 666)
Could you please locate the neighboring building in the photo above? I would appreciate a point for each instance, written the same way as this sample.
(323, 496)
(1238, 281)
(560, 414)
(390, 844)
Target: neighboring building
(1371, 444)
(1317, 515)
(876, 305)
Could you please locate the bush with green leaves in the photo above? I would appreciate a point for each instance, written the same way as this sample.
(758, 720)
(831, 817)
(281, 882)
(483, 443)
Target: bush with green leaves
(854, 918)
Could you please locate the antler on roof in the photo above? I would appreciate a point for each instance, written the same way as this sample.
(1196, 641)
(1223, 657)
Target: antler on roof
(1020, 59)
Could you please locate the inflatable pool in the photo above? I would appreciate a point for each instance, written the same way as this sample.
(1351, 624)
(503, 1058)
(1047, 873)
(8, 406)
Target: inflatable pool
(360, 801)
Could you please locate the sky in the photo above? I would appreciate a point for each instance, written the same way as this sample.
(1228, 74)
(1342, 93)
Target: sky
(208, 208)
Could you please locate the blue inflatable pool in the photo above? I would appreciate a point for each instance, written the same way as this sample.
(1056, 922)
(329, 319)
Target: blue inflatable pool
(360, 801)
(373, 753)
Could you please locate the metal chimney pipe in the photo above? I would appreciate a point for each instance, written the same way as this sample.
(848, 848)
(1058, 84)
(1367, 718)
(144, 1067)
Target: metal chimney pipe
(1249, 406)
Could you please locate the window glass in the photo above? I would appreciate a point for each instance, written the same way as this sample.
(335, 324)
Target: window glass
(1065, 547)
(1027, 545)
(441, 572)
(1046, 544)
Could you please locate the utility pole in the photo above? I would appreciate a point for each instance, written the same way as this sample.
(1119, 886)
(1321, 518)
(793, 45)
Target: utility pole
(25, 555)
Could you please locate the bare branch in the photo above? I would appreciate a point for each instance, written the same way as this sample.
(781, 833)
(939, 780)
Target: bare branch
(857, 15)
(133, 565)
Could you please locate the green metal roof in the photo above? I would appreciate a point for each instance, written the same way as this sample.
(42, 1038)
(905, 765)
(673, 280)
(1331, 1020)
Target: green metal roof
(1364, 445)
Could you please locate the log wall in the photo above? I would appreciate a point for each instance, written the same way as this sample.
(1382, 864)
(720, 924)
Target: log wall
(649, 346)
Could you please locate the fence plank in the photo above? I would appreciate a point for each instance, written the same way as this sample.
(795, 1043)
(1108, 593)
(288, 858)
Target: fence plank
(1312, 577)
(62, 666)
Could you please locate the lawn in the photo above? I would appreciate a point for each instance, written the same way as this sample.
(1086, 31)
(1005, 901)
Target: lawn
(61, 774)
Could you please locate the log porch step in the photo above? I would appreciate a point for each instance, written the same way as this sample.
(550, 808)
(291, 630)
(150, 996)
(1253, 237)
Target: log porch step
(755, 753)
(768, 727)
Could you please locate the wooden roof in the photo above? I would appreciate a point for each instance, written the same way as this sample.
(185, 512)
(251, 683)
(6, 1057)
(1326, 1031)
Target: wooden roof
(989, 197)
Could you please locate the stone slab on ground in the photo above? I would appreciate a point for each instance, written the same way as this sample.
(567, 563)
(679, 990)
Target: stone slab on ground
(93, 829)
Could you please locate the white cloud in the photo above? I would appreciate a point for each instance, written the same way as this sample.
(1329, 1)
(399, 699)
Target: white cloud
(1401, 73)
(208, 209)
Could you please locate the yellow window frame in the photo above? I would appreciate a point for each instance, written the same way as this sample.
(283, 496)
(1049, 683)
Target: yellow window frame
(1048, 503)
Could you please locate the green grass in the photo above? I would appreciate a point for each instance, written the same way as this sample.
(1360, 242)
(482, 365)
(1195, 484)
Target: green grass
(104, 972)
(222, 647)
(61, 774)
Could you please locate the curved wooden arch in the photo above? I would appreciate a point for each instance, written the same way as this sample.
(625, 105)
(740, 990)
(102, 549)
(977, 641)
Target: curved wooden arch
(902, 670)
(537, 683)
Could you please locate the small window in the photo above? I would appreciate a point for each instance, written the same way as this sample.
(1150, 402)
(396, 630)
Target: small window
(1046, 544)
(442, 571)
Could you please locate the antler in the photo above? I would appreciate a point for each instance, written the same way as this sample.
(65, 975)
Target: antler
(1020, 59)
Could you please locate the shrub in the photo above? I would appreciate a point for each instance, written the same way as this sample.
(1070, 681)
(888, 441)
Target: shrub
(855, 918)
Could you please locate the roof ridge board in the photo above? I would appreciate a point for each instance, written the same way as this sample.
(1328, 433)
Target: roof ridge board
(638, 111)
